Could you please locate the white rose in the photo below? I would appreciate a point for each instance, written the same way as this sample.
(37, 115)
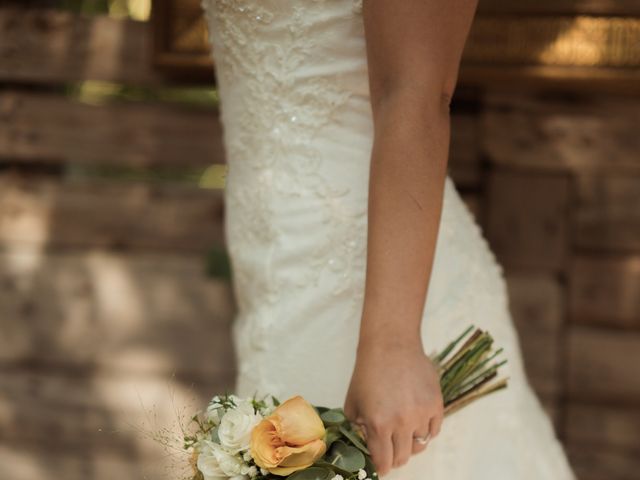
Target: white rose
(235, 427)
(362, 474)
(208, 462)
(215, 462)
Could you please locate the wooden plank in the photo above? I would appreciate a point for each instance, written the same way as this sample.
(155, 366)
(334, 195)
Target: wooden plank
(594, 135)
(464, 155)
(50, 214)
(526, 219)
(606, 214)
(594, 7)
(62, 425)
(42, 462)
(605, 291)
(144, 313)
(53, 46)
(603, 464)
(52, 129)
(115, 413)
(536, 304)
(603, 366)
(475, 203)
(603, 426)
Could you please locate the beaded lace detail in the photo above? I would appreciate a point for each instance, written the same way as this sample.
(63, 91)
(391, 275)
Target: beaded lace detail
(277, 120)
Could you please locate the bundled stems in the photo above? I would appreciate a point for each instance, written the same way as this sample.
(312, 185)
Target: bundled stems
(470, 372)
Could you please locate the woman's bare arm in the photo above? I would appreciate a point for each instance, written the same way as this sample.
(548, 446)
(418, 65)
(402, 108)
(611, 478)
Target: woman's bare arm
(413, 50)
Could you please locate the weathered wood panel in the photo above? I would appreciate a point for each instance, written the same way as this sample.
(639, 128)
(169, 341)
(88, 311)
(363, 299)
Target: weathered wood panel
(49, 46)
(94, 410)
(607, 212)
(540, 133)
(45, 462)
(526, 219)
(603, 366)
(598, 7)
(604, 464)
(55, 426)
(50, 128)
(536, 303)
(152, 314)
(475, 204)
(605, 290)
(464, 155)
(604, 426)
(50, 214)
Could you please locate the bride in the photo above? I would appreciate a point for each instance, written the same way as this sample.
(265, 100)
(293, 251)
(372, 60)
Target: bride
(353, 255)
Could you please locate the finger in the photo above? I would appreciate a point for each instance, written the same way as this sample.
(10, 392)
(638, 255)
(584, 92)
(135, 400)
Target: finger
(402, 439)
(435, 425)
(380, 445)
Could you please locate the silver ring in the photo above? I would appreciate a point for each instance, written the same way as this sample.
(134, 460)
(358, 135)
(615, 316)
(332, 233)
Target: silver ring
(422, 440)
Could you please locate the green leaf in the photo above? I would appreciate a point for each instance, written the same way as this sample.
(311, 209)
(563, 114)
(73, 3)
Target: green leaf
(312, 473)
(355, 439)
(333, 468)
(345, 457)
(335, 416)
(331, 435)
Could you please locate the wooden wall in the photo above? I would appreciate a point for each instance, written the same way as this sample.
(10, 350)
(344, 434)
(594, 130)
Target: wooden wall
(556, 184)
(109, 325)
(107, 316)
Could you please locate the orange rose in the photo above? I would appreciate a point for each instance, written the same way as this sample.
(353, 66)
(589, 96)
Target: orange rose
(290, 439)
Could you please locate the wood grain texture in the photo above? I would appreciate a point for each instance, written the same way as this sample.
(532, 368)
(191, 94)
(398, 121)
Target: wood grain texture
(51, 214)
(543, 133)
(52, 46)
(56, 425)
(605, 290)
(602, 426)
(144, 313)
(603, 366)
(537, 307)
(526, 219)
(603, 464)
(606, 215)
(53, 129)
(597, 7)
(464, 155)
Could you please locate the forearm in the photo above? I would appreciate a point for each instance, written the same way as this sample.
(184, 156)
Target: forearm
(408, 169)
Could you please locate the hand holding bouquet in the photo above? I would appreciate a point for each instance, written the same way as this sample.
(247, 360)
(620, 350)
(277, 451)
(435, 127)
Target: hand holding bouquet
(250, 438)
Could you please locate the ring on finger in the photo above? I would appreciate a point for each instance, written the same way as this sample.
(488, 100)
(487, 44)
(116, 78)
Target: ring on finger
(422, 440)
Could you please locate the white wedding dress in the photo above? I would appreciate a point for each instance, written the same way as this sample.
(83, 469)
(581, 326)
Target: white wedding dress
(292, 78)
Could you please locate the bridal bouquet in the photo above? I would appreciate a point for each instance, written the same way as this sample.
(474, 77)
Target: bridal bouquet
(263, 439)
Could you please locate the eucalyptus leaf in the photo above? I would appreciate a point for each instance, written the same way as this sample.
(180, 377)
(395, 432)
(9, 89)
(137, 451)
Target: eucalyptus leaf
(355, 439)
(334, 416)
(345, 456)
(334, 468)
(332, 434)
(312, 473)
